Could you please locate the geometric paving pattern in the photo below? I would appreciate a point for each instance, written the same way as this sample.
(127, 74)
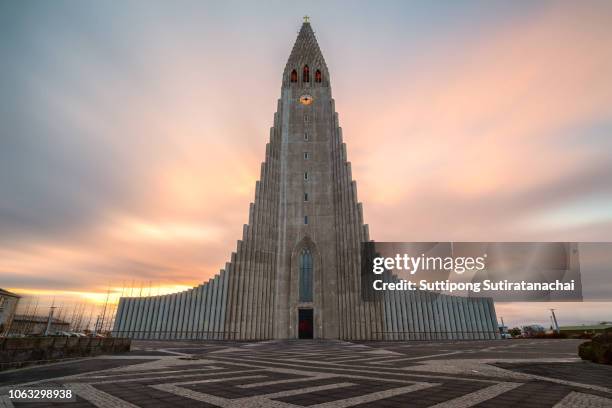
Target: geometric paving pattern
(332, 374)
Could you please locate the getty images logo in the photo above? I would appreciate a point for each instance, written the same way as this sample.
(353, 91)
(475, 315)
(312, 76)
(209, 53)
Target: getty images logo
(414, 264)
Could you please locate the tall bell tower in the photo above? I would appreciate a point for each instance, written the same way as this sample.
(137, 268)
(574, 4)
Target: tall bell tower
(312, 232)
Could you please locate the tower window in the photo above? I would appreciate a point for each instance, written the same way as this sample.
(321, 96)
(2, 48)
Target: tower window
(305, 220)
(294, 76)
(305, 276)
(306, 136)
(306, 74)
(305, 175)
(318, 76)
(306, 155)
(305, 196)
(305, 117)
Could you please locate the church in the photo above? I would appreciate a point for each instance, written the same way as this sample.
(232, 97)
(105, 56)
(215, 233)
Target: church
(296, 272)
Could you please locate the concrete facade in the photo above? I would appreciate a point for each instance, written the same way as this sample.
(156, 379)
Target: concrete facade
(305, 203)
(8, 306)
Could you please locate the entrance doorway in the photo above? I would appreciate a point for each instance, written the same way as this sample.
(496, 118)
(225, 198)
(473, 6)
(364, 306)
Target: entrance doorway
(305, 324)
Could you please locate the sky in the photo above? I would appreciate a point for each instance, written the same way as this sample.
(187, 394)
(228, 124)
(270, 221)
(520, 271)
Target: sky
(131, 135)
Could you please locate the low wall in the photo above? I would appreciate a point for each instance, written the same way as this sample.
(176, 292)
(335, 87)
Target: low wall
(15, 352)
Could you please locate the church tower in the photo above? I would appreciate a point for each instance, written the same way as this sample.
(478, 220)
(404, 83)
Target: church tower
(296, 272)
(305, 218)
(321, 225)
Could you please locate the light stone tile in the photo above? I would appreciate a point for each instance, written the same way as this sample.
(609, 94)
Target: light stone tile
(473, 398)
(168, 377)
(374, 396)
(580, 400)
(98, 398)
(265, 400)
(288, 381)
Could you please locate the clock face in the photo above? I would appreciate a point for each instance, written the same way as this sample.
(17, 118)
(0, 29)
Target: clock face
(306, 99)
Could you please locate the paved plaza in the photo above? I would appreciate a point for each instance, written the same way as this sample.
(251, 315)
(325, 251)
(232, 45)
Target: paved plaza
(329, 374)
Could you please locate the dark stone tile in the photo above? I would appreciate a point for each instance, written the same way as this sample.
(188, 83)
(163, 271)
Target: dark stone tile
(580, 372)
(531, 394)
(429, 396)
(37, 373)
(141, 394)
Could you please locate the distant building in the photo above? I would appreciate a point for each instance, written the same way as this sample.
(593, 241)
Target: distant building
(8, 305)
(36, 325)
(586, 329)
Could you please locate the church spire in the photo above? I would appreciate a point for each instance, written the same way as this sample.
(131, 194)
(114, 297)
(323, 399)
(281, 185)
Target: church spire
(306, 65)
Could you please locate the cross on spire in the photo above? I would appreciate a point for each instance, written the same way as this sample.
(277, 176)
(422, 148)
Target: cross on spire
(306, 19)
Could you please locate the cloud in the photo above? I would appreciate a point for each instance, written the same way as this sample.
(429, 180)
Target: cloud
(489, 136)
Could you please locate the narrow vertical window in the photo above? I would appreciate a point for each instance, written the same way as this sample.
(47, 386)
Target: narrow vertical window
(306, 156)
(305, 117)
(318, 76)
(305, 276)
(294, 76)
(305, 220)
(306, 136)
(305, 175)
(305, 196)
(306, 74)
